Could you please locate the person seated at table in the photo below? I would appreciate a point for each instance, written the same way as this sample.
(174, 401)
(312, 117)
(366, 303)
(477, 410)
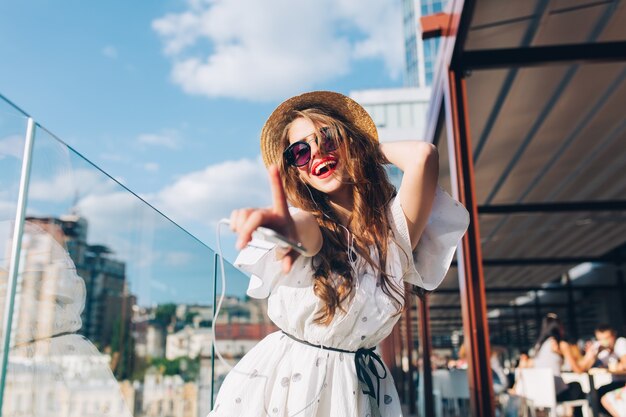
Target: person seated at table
(461, 362)
(551, 350)
(524, 360)
(576, 355)
(609, 351)
(499, 376)
(614, 402)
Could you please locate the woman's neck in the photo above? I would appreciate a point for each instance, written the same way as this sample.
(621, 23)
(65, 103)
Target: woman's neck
(342, 204)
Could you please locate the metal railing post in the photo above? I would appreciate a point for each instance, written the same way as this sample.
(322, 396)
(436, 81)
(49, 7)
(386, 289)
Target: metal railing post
(16, 244)
(212, 324)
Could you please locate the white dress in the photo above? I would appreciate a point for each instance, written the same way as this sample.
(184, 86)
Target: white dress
(282, 377)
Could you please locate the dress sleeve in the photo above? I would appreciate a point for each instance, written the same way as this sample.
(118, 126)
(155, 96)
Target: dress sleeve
(259, 260)
(432, 256)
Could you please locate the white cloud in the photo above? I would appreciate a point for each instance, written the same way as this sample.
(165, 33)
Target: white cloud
(7, 211)
(274, 48)
(115, 157)
(177, 258)
(69, 184)
(210, 194)
(151, 166)
(168, 138)
(195, 200)
(12, 145)
(381, 21)
(161, 287)
(122, 222)
(110, 52)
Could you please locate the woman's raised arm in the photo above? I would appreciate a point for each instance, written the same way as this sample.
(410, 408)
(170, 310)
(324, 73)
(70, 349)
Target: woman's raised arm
(301, 227)
(419, 162)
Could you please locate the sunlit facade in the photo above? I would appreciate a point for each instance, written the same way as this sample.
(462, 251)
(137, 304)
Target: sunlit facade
(420, 55)
(400, 113)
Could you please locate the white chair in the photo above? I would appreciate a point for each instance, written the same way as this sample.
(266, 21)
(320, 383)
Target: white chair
(582, 379)
(453, 389)
(440, 382)
(438, 405)
(537, 386)
(459, 385)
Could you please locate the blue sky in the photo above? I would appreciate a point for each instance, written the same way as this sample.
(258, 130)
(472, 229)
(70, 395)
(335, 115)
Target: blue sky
(169, 97)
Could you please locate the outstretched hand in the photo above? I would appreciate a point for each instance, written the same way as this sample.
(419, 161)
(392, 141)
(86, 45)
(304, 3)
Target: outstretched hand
(277, 217)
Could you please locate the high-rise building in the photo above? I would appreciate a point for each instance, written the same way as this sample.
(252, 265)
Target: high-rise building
(400, 113)
(420, 55)
(107, 303)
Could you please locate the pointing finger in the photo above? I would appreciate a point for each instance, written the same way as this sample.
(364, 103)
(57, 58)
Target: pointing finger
(254, 220)
(278, 192)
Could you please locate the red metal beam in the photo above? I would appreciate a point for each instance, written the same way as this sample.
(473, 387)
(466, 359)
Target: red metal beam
(435, 25)
(470, 271)
(409, 351)
(450, 48)
(399, 375)
(392, 356)
(388, 351)
(426, 350)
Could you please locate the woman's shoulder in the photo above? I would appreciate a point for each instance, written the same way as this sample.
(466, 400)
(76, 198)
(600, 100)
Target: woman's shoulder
(398, 223)
(429, 262)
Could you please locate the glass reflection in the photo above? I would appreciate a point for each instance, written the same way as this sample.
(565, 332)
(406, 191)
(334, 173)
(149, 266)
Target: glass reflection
(242, 323)
(12, 138)
(114, 304)
(52, 369)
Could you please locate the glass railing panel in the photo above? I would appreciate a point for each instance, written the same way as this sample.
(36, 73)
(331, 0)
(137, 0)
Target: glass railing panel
(241, 324)
(114, 303)
(13, 125)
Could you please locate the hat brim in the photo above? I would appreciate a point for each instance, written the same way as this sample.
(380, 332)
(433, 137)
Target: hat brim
(353, 112)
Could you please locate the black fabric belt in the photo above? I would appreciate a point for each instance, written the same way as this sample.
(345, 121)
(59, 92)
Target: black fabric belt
(365, 360)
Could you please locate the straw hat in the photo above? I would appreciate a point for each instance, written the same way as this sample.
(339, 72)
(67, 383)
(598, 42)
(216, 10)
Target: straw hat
(271, 148)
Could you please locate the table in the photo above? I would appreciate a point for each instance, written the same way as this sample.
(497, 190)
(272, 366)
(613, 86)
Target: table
(592, 380)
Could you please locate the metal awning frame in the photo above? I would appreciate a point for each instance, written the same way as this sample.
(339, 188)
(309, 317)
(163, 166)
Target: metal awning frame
(448, 108)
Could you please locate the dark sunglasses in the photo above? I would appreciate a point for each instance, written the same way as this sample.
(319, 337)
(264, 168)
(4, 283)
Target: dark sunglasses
(298, 154)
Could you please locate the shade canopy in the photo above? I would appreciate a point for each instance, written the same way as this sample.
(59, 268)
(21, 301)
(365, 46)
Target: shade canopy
(546, 102)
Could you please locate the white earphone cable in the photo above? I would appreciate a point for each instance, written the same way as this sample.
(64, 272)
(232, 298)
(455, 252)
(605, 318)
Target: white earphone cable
(352, 255)
(254, 373)
(219, 303)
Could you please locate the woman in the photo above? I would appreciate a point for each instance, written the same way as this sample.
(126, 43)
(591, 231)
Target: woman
(551, 350)
(364, 243)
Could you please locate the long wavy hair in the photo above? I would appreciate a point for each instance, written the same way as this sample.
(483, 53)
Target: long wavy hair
(551, 326)
(369, 221)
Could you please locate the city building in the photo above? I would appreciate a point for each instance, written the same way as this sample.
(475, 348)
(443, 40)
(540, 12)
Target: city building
(49, 294)
(420, 55)
(400, 113)
(104, 277)
(233, 340)
(149, 337)
(168, 395)
(67, 385)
